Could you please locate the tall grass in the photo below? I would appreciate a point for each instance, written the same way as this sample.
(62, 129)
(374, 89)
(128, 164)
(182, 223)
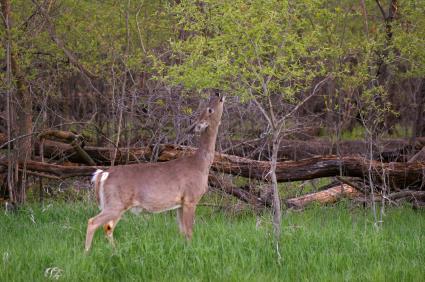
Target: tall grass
(318, 244)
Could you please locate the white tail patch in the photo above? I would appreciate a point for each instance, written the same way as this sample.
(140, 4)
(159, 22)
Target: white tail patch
(103, 176)
(95, 174)
(102, 189)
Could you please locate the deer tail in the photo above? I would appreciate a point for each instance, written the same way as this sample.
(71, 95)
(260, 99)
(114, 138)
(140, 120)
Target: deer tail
(99, 177)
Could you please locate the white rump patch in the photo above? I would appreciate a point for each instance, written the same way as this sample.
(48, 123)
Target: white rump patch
(103, 176)
(95, 174)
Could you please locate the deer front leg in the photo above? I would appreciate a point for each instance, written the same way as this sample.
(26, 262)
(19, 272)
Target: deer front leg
(188, 217)
(97, 221)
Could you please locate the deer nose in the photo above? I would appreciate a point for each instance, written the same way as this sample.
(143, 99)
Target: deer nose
(200, 127)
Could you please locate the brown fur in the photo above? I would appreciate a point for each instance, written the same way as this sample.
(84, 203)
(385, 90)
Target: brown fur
(156, 187)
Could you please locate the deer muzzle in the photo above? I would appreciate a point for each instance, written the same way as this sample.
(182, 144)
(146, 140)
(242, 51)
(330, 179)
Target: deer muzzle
(201, 126)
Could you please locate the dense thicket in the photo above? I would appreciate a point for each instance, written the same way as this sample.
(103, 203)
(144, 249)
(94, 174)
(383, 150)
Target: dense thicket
(131, 73)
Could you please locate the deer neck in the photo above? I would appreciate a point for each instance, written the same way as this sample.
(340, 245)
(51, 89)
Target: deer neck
(206, 149)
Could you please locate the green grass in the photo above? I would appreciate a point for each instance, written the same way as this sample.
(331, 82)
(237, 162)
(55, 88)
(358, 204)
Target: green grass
(318, 244)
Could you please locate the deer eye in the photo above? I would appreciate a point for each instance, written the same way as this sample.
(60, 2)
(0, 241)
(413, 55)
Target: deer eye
(210, 110)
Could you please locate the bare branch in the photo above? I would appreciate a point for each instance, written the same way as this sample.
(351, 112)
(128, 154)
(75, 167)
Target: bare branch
(392, 11)
(262, 110)
(384, 16)
(316, 88)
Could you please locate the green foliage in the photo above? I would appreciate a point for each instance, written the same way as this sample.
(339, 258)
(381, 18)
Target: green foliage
(409, 37)
(250, 48)
(97, 31)
(263, 48)
(93, 30)
(320, 244)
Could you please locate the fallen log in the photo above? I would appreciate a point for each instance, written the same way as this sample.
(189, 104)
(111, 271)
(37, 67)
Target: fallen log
(330, 195)
(66, 136)
(75, 140)
(55, 150)
(396, 175)
(224, 183)
(412, 195)
(55, 171)
(387, 150)
(100, 155)
(416, 198)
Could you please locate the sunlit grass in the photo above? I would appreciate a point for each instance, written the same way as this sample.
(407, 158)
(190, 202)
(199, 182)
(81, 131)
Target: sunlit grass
(320, 243)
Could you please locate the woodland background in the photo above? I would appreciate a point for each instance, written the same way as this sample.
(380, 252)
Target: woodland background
(314, 89)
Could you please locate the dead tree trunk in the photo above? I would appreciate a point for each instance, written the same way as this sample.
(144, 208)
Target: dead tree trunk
(397, 175)
(327, 196)
(224, 183)
(393, 149)
(387, 150)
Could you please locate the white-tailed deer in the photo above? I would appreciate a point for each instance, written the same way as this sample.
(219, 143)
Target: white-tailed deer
(157, 187)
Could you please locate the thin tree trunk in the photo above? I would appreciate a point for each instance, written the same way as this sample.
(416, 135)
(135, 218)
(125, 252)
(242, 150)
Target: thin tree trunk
(277, 213)
(23, 110)
(123, 88)
(6, 13)
(418, 125)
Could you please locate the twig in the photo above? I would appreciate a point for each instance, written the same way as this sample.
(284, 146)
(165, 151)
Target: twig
(316, 88)
(384, 16)
(41, 174)
(350, 183)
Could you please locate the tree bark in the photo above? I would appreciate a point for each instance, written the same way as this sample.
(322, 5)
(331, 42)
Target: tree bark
(22, 107)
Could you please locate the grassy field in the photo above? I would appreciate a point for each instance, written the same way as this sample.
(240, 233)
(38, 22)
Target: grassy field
(318, 244)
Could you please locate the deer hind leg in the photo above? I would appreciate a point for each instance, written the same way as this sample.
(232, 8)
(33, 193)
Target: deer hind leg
(109, 228)
(188, 217)
(180, 219)
(98, 220)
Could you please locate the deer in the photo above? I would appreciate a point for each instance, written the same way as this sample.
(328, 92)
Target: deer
(158, 187)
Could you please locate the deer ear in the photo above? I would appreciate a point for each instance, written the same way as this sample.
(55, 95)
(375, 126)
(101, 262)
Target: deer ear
(217, 93)
(222, 99)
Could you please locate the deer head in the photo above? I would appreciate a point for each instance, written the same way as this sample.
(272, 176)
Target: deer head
(211, 115)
